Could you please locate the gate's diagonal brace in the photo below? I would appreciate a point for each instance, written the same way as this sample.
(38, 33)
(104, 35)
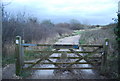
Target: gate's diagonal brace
(96, 49)
(75, 53)
(53, 63)
(87, 60)
(40, 60)
(81, 57)
(75, 61)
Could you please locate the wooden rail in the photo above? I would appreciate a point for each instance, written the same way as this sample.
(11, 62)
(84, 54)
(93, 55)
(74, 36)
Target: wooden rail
(36, 51)
(75, 57)
(63, 45)
(59, 63)
(60, 68)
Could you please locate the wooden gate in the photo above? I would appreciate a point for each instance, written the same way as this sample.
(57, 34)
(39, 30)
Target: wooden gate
(89, 56)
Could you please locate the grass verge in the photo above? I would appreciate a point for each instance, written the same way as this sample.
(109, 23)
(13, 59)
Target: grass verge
(8, 60)
(30, 55)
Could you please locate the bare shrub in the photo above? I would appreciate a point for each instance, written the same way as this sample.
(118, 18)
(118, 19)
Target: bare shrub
(76, 25)
(30, 29)
(63, 25)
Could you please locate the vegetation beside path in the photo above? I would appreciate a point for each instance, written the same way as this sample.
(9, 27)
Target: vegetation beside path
(98, 37)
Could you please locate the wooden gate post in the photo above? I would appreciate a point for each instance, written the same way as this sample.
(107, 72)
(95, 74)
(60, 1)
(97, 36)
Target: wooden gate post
(22, 53)
(19, 55)
(104, 57)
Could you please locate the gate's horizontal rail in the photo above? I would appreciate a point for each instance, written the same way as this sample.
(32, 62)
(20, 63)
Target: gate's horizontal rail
(75, 57)
(57, 63)
(60, 68)
(97, 45)
(37, 51)
(60, 63)
(68, 45)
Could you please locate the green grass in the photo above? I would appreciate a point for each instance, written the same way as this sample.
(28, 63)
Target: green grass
(81, 41)
(77, 32)
(25, 74)
(30, 55)
(8, 60)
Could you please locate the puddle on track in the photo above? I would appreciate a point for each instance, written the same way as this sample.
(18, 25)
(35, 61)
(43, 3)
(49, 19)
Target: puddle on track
(44, 74)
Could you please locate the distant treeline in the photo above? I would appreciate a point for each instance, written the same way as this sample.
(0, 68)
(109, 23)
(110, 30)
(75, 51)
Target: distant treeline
(31, 29)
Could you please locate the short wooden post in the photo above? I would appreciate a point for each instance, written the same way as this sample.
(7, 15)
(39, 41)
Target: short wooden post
(104, 57)
(19, 55)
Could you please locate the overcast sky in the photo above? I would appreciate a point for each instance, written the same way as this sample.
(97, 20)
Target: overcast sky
(86, 11)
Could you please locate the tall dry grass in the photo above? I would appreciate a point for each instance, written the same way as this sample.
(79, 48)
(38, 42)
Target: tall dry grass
(98, 37)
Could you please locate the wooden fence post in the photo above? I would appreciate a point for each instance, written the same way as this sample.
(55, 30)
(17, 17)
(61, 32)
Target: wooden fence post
(19, 55)
(104, 57)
